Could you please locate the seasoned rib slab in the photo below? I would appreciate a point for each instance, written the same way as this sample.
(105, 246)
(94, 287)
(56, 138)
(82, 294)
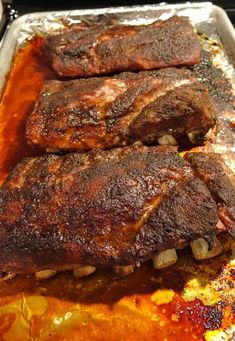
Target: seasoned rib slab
(116, 111)
(102, 208)
(83, 52)
(220, 180)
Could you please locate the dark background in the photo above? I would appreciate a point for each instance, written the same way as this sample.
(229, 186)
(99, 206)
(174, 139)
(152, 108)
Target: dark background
(25, 6)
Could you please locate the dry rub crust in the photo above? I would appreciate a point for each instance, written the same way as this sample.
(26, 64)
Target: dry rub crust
(109, 112)
(103, 208)
(87, 51)
(220, 180)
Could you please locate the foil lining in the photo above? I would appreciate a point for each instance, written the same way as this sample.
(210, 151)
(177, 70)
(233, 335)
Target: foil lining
(201, 16)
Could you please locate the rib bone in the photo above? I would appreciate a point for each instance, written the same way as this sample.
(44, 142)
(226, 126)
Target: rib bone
(52, 150)
(167, 140)
(6, 276)
(200, 248)
(195, 136)
(82, 271)
(123, 270)
(165, 259)
(44, 274)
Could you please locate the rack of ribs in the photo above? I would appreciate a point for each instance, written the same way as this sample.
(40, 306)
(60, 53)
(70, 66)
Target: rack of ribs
(82, 51)
(220, 180)
(167, 106)
(115, 208)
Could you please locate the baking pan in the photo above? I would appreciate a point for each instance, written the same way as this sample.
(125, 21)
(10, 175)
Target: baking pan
(190, 300)
(212, 19)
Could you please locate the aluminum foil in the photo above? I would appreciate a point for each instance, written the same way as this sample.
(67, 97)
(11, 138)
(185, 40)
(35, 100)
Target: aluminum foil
(54, 22)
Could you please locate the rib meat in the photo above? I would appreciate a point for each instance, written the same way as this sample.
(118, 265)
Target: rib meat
(86, 51)
(220, 180)
(103, 208)
(109, 112)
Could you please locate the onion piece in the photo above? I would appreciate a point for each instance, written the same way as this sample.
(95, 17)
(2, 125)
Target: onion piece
(165, 259)
(200, 248)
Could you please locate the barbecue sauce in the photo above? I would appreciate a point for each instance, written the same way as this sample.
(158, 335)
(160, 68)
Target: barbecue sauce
(29, 70)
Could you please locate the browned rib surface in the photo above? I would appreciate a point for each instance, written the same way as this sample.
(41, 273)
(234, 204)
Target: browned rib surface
(116, 111)
(220, 180)
(82, 52)
(102, 208)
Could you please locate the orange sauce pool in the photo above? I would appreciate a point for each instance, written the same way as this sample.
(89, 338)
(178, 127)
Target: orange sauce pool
(29, 70)
(147, 305)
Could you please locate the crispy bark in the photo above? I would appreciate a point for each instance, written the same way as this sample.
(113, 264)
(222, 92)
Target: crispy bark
(116, 111)
(103, 208)
(87, 51)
